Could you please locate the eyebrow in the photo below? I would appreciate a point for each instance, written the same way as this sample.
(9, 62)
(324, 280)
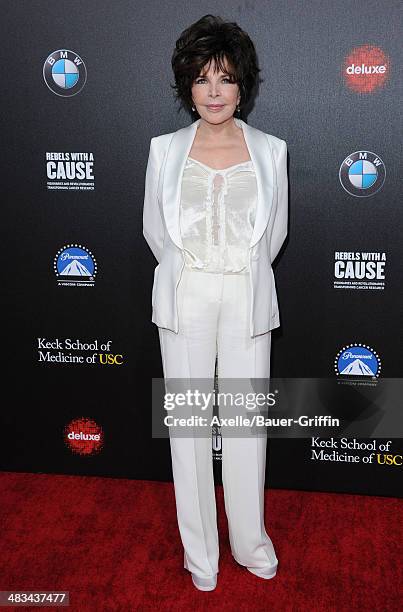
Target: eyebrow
(225, 74)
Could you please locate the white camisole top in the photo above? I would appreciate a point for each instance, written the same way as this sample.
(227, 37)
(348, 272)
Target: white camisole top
(217, 216)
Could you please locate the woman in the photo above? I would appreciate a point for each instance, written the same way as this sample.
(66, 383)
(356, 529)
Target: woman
(215, 216)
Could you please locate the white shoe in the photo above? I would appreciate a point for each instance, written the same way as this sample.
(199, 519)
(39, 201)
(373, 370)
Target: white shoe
(264, 572)
(204, 584)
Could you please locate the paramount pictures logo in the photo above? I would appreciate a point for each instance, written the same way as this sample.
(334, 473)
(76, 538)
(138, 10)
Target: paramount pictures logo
(75, 266)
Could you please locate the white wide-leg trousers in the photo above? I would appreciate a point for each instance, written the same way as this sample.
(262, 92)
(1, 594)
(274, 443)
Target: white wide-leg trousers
(214, 311)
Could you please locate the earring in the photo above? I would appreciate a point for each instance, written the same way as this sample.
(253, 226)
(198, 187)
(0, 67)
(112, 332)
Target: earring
(238, 109)
(193, 108)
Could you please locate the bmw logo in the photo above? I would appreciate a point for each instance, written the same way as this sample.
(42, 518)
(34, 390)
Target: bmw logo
(64, 73)
(362, 174)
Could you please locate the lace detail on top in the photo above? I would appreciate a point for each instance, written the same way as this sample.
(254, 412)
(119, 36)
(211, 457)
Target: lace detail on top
(217, 215)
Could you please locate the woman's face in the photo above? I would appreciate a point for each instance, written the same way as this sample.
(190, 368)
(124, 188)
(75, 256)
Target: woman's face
(215, 95)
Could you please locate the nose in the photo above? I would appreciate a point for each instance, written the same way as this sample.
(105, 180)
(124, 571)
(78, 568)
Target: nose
(214, 90)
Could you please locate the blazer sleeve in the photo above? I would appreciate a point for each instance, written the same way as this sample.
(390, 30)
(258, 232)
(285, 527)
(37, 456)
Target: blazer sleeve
(281, 219)
(153, 228)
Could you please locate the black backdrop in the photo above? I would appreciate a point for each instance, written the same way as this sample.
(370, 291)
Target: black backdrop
(121, 99)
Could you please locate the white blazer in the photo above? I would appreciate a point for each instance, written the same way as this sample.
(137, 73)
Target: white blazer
(166, 162)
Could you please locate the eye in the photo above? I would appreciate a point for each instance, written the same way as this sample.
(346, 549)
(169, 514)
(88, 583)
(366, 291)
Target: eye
(200, 79)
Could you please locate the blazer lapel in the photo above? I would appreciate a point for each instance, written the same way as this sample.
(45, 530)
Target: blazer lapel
(179, 149)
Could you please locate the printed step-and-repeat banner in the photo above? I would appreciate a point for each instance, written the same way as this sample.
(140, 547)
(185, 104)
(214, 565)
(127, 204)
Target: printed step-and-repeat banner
(85, 88)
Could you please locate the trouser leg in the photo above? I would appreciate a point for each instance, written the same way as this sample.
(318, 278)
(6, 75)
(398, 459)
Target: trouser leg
(191, 354)
(243, 458)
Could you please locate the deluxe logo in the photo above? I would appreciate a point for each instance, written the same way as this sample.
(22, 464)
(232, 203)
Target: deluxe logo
(357, 360)
(362, 174)
(75, 266)
(366, 69)
(83, 436)
(64, 72)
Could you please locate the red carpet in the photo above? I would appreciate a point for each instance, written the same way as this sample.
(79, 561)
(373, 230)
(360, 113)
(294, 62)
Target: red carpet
(114, 544)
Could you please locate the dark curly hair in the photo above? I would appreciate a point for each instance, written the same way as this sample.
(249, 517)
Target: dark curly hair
(213, 38)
